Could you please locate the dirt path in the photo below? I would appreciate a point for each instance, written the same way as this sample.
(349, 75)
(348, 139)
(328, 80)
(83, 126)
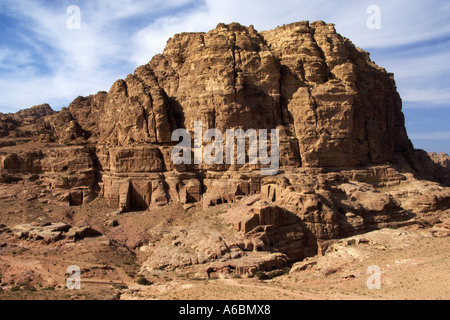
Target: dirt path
(38, 265)
(295, 294)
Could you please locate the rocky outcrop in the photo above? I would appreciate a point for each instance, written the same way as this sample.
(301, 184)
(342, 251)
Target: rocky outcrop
(52, 232)
(441, 159)
(346, 163)
(344, 109)
(336, 108)
(87, 111)
(333, 106)
(66, 174)
(25, 123)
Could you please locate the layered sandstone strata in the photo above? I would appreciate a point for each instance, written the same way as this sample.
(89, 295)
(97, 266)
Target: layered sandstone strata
(346, 163)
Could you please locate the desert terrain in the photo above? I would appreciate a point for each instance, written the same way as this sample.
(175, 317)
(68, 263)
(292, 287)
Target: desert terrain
(94, 186)
(413, 259)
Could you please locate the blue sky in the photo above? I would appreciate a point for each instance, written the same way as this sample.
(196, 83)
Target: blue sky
(43, 61)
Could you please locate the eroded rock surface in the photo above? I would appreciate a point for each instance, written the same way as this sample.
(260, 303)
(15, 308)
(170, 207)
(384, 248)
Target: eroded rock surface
(346, 163)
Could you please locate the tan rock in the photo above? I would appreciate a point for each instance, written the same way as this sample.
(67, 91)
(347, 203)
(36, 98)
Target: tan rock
(346, 163)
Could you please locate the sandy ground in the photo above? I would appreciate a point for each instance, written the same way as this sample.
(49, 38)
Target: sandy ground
(414, 263)
(418, 271)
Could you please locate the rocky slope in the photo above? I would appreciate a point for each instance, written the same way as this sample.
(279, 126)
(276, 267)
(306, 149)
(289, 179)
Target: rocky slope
(347, 165)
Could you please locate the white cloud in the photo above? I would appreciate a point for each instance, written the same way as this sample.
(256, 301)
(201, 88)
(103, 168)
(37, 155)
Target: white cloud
(421, 77)
(79, 62)
(11, 60)
(117, 36)
(429, 97)
(439, 135)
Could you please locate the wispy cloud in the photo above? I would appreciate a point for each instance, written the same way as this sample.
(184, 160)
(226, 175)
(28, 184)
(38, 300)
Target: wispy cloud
(439, 135)
(55, 64)
(10, 59)
(426, 98)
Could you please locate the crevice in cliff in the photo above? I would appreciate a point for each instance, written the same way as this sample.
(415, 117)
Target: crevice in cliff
(235, 74)
(369, 154)
(322, 56)
(302, 71)
(98, 168)
(314, 109)
(214, 125)
(155, 132)
(285, 112)
(283, 106)
(358, 100)
(146, 116)
(125, 86)
(168, 104)
(145, 112)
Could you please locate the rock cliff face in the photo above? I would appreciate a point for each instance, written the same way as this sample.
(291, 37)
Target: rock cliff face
(336, 107)
(347, 165)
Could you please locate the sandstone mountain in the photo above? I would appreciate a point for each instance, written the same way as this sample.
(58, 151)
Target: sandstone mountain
(347, 165)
